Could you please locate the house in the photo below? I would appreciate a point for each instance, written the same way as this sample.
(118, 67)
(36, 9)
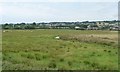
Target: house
(100, 24)
(115, 28)
(89, 27)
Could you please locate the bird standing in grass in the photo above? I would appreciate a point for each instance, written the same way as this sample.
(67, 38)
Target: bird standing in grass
(57, 37)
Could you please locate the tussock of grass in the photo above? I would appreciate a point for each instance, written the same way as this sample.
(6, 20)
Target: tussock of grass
(104, 40)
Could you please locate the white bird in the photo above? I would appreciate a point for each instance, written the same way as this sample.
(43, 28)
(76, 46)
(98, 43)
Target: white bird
(57, 37)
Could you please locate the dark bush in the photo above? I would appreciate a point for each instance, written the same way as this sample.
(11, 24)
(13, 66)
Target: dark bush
(52, 65)
(68, 50)
(69, 63)
(30, 56)
(85, 47)
(38, 57)
(109, 51)
(61, 60)
(87, 62)
(44, 57)
(105, 50)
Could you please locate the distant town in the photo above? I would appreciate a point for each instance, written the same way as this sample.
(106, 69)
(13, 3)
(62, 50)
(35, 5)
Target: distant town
(85, 25)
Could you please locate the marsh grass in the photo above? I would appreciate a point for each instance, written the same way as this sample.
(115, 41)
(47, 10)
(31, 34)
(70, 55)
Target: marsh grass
(75, 50)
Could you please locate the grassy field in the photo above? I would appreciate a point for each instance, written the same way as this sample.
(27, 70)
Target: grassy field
(0, 50)
(75, 50)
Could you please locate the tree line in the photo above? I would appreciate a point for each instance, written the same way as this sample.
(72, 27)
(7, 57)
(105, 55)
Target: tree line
(55, 25)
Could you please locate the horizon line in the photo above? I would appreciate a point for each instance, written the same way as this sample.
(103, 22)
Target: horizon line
(59, 21)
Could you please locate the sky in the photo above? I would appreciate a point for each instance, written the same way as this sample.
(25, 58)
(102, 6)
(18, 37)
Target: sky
(64, 11)
(59, 0)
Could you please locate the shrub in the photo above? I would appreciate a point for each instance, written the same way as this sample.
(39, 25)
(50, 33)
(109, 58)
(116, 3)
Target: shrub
(44, 56)
(52, 65)
(99, 55)
(105, 50)
(87, 62)
(68, 50)
(94, 65)
(23, 54)
(31, 56)
(38, 57)
(61, 47)
(69, 63)
(85, 47)
(61, 60)
(109, 51)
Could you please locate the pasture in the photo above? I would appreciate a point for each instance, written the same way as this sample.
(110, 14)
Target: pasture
(74, 50)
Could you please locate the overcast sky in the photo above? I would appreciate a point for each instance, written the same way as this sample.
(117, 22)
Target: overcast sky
(59, 0)
(13, 12)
